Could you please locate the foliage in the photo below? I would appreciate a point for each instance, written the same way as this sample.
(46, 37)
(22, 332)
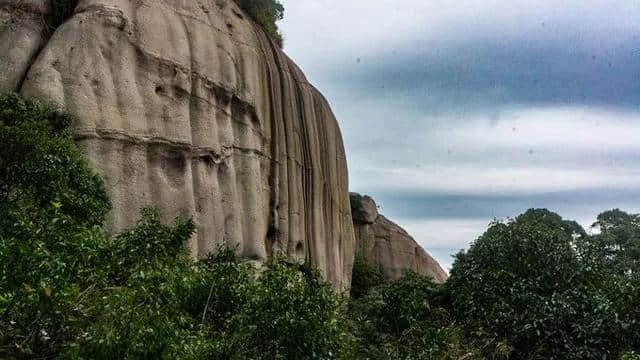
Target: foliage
(364, 276)
(528, 288)
(616, 253)
(630, 355)
(50, 207)
(68, 290)
(266, 13)
(619, 240)
(289, 313)
(404, 320)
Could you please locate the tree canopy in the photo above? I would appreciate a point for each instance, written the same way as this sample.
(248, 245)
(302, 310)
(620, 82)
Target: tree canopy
(534, 287)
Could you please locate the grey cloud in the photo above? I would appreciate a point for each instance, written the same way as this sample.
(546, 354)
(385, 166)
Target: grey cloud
(582, 206)
(432, 85)
(483, 74)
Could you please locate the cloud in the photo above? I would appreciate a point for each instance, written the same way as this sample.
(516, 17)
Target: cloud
(580, 205)
(445, 224)
(444, 237)
(526, 150)
(457, 112)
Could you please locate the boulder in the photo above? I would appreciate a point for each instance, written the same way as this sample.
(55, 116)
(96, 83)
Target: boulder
(363, 209)
(389, 246)
(190, 107)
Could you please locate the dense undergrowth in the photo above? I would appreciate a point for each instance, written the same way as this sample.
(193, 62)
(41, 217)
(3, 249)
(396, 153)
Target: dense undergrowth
(534, 287)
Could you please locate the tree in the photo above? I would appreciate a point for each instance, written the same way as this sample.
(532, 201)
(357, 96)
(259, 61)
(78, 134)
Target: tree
(365, 276)
(619, 239)
(404, 319)
(51, 209)
(617, 249)
(526, 288)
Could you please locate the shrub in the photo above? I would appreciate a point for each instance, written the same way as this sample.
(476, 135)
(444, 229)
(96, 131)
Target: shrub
(289, 313)
(266, 13)
(631, 355)
(364, 276)
(404, 320)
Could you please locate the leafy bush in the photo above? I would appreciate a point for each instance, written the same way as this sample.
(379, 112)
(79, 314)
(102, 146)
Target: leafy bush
(630, 356)
(266, 13)
(219, 309)
(364, 276)
(404, 320)
(51, 206)
(527, 288)
(288, 313)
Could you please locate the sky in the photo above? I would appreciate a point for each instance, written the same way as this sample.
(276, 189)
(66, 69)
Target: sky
(456, 113)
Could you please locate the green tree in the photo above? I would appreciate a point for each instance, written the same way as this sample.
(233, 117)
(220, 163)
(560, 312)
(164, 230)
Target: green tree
(527, 288)
(616, 249)
(51, 206)
(364, 276)
(619, 240)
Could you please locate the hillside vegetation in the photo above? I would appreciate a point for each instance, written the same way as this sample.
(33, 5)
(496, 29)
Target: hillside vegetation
(533, 287)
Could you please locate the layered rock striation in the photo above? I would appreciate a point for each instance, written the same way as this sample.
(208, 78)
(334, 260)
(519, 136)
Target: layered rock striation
(387, 245)
(188, 106)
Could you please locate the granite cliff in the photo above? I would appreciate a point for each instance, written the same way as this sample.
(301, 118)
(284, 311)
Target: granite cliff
(188, 106)
(387, 245)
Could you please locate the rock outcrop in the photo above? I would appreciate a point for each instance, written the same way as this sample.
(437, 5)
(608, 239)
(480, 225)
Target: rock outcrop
(188, 106)
(387, 245)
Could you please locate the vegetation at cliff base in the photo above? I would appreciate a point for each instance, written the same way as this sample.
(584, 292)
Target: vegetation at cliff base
(364, 277)
(68, 290)
(533, 287)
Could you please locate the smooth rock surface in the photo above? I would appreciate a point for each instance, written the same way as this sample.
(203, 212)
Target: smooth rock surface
(389, 246)
(188, 106)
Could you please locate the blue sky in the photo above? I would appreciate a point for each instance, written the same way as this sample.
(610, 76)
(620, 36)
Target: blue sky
(456, 113)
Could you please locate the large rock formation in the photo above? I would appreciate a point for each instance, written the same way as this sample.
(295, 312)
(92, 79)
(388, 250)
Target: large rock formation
(387, 245)
(187, 105)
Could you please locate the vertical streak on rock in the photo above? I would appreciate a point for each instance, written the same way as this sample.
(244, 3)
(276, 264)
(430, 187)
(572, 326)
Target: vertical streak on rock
(24, 31)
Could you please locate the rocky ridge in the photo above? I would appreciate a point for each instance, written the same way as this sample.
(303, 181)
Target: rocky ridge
(387, 245)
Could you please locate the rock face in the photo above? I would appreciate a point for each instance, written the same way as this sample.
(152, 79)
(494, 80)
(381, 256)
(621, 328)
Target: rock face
(387, 245)
(188, 106)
